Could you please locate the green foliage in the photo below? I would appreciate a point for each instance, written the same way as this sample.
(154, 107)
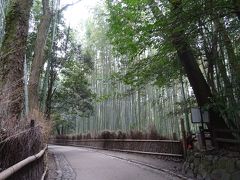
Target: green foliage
(63, 124)
(36, 14)
(129, 27)
(142, 31)
(134, 33)
(13, 11)
(156, 69)
(73, 95)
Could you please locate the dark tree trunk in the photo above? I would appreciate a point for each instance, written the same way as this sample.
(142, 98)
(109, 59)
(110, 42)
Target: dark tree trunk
(232, 58)
(236, 5)
(211, 54)
(58, 131)
(50, 92)
(39, 53)
(197, 81)
(194, 74)
(189, 63)
(13, 52)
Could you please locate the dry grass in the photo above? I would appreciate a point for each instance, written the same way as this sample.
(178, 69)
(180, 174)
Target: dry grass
(133, 134)
(10, 100)
(20, 146)
(18, 139)
(41, 121)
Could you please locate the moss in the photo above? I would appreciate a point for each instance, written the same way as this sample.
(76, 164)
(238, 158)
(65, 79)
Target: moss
(10, 28)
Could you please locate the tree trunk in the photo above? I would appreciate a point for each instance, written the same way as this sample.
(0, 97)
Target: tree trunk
(13, 52)
(50, 92)
(197, 81)
(228, 88)
(38, 59)
(236, 5)
(210, 53)
(232, 58)
(39, 53)
(188, 61)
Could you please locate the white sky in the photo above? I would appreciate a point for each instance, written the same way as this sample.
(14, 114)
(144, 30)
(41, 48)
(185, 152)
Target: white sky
(77, 14)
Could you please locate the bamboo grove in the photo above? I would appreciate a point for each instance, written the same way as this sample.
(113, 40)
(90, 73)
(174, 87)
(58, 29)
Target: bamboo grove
(141, 65)
(166, 58)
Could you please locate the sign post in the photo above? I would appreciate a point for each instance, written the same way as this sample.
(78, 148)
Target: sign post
(200, 116)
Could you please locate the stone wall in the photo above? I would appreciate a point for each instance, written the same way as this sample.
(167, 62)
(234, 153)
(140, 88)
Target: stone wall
(218, 165)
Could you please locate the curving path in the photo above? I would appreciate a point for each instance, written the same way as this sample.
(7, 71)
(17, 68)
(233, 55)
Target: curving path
(85, 164)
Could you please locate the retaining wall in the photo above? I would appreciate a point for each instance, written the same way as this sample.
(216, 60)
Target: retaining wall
(221, 165)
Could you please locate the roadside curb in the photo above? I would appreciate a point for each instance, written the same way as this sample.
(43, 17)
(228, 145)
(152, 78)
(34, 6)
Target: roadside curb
(148, 165)
(59, 172)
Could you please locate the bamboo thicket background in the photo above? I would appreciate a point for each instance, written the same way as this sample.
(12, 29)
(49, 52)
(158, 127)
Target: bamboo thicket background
(121, 107)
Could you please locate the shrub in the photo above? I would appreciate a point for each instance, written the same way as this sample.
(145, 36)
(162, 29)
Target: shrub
(61, 137)
(136, 134)
(88, 136)
(121, 135)
(107, 135)
(153, 134)
(113, 135)
(79, 136)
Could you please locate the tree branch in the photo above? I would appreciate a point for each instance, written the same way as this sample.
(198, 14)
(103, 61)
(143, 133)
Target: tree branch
(68, 5)
(45, 4)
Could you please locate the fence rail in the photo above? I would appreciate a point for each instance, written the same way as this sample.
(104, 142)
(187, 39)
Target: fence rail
(226, 140)
(13, 169)
(120, 140)
(155, 147)
(22, 155)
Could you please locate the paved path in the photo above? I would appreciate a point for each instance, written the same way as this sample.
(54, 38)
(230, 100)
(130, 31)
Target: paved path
(85, 164)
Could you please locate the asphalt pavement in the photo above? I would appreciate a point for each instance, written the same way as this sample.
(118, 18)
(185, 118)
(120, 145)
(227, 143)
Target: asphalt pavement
(86, 164)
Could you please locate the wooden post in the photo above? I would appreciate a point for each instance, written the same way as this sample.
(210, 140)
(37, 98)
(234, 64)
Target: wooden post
(214, 137)
(174, 136)
(201, 129)
(203, 139)
(32, 123)
(183, 137)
